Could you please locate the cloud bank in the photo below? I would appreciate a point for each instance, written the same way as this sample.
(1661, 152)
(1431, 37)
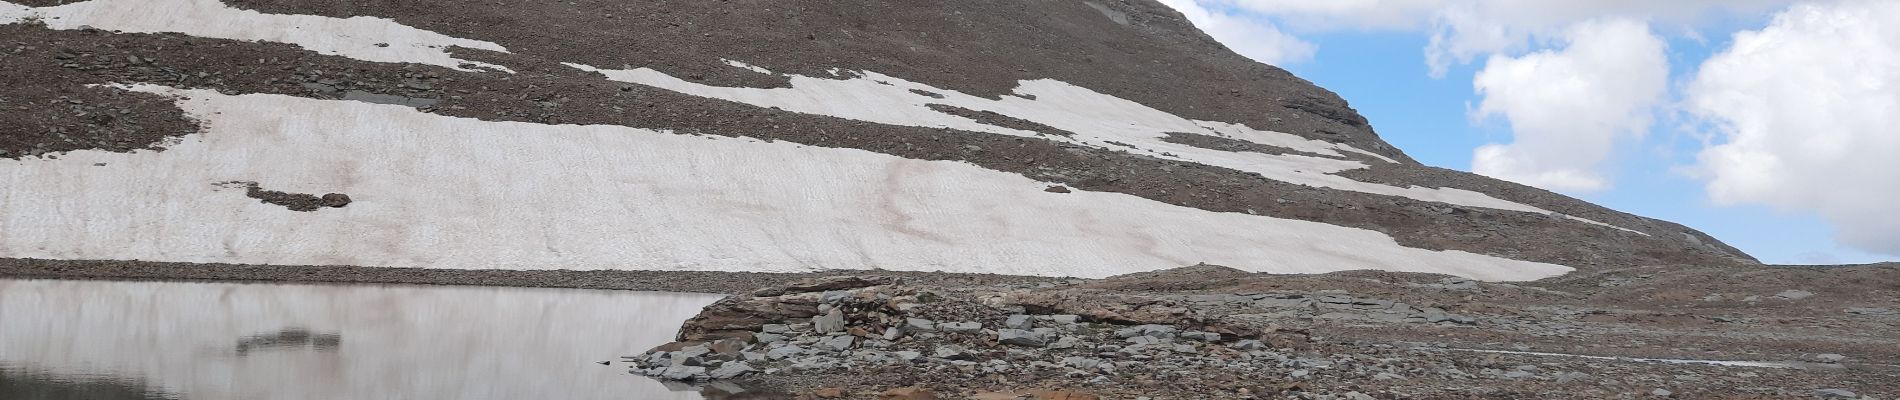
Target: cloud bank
(1807, 117)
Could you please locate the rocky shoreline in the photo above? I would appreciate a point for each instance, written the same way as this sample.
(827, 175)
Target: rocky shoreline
(1190, 334)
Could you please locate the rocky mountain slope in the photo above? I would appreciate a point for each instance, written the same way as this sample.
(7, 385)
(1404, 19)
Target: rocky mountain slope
(1053, 138)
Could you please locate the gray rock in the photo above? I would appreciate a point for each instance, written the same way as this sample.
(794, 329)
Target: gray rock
(1066, 342)
(1830, 358)
(1082, 363)
(948, 352)
(800, 327)
(1519, 374)
(1144, 340)
(1793, 294)
(830, 322)
(1871, 311)
(769, 337)
(1065, 319)
(1020, 337)
(837, 343)
(1835, 394)
(730, 370)
(776, 328)
(752, 356)
(1568, 377)
(834, 296)
(692, 351)
(960, 327)
(1357, 396)
(892, 333)
(1660, 392)
(909, 356)
(919, 325)
(1387, 376)
(684, 373)
(1201, 336)
(1249, 344)
(1018, 321)
(784, 352)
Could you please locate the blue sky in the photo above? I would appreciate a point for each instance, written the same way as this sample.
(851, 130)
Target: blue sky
(1385, 73)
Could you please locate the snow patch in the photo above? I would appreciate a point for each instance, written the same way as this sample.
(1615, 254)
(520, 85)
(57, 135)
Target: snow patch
(444, 192)
(1097, 120)
(362, 38)
(748, 67)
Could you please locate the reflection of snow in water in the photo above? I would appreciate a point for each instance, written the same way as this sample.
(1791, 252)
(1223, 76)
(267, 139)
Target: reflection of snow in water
(209, 341)
(1756, 364)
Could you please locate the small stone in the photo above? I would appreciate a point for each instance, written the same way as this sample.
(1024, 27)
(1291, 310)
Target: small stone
(908, 356)
(830, 322)
(1249, 344)
(1057, 189)
(775, 328)
(1066, 342)
(951, 353)
(1201, 336)
(781, 353)
(1020, 337)
(1793, 294)
(919, 325)
(838, 343)
(1387, 376)
(684, 373)
(1065, 319)
(1830, 358)
(1568, 377)
(730, 370)
(892, 333)
(960, 327)
(1018, 321)
(1660, 392)
(1357, 396)
(769, 337)
(1835, 394)
(336, 200)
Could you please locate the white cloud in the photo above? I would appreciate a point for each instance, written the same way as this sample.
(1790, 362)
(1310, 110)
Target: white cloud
(1465, 29)
(1253, 37)
(1568, 107)
(1806, 116)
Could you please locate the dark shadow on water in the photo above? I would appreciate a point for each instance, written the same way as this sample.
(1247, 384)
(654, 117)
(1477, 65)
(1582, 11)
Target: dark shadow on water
(24, 384)
(289, 338)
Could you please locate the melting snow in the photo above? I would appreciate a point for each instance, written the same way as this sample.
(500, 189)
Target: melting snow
(362, 38)
(443, 192)
(1096, 119)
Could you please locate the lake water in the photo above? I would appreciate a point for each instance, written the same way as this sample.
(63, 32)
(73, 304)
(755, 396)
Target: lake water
(215, 341)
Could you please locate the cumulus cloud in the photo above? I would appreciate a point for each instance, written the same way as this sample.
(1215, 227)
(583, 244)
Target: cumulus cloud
(1250, 36)
(1806, 116)
(1568, 107)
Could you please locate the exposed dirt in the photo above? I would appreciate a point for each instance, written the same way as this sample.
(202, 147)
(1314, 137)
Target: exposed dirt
(992, 118)
(303, 202)
(1228, 144)
(41, 114)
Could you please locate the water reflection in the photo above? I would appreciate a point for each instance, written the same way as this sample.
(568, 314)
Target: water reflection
(289, 338)
(210, 341)
(17, 383)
